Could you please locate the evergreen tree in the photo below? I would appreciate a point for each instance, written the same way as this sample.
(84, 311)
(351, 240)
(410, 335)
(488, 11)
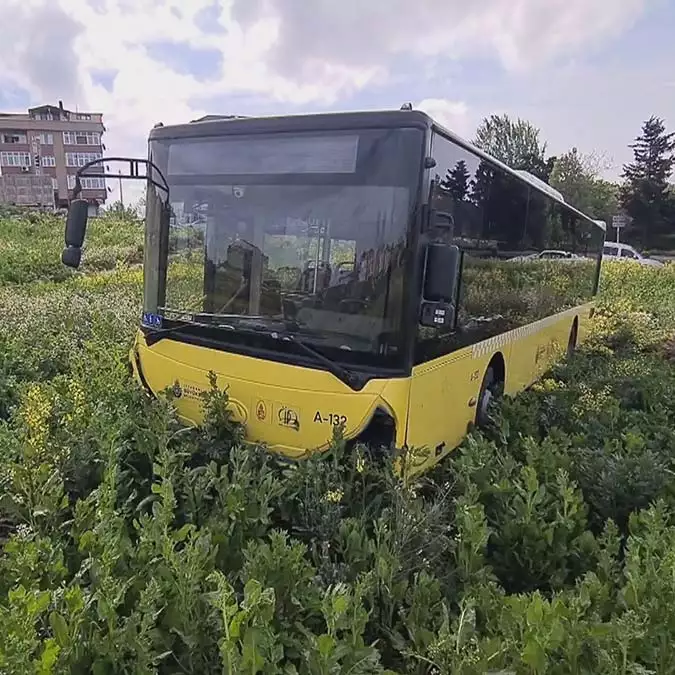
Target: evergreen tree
(645, 193)
(480, 195)
(456, 181)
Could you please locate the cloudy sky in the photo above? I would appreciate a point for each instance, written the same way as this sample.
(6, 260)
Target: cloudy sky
(587, 72)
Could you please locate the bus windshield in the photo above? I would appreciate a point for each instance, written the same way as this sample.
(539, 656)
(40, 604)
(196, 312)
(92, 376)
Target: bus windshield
(305, 233)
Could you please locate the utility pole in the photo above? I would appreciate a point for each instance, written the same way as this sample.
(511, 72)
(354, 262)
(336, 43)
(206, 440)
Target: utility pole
(119, 172)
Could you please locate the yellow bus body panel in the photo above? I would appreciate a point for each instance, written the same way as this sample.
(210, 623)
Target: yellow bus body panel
(292, 409)
(444, 392)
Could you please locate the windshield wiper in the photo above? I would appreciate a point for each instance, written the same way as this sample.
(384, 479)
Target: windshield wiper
(255, 322)
(153, 335)
(205, 320)
(351, 379)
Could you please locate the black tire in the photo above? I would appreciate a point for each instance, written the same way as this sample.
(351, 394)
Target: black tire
(485, 397)
(572, 341)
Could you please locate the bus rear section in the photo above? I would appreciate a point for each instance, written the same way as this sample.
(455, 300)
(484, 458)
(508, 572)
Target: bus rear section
(530, 271)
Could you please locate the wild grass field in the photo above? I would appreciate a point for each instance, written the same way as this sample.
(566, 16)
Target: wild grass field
(545, 544)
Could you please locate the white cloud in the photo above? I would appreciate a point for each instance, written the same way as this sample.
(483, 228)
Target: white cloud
(290, 51)
(358, 35)
(38, 49)
(452, 114)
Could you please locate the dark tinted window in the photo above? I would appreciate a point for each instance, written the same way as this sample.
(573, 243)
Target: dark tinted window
(525, 255)
(454, 188)
(358, 157)
(570, 280)
(286, 237)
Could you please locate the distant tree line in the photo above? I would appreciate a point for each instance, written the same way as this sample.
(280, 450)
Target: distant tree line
(645, 194)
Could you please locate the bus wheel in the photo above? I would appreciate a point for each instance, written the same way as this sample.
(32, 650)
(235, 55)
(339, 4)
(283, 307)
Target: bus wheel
(486, 396)
(572, 342)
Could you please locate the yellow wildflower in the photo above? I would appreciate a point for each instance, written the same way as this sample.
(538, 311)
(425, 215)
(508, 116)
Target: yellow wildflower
(35, 410)
(334, 496)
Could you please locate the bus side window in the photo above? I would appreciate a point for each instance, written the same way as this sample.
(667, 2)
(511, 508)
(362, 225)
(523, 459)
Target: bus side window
(454, 191)
(503, 224)
(562, 285)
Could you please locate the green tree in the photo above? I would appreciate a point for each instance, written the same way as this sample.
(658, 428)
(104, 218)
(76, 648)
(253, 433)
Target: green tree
(604, 200)
(538, 166)
(645, 192)
(576, 176)
(457, 181)
(516, 143)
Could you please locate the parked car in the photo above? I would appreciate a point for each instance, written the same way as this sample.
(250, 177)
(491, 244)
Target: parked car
(615, 251)
(548, 254)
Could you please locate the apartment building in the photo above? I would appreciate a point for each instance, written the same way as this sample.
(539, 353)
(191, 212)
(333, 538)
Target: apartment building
(52, 141)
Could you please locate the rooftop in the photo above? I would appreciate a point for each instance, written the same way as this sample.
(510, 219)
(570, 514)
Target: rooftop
(56, 111)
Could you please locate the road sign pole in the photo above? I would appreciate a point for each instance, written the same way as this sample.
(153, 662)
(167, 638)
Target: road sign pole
(617, 223)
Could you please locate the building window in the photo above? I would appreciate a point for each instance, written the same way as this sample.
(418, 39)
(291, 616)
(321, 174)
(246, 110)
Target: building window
(81, 138)
(55, 184)
(81, 158)
(48, 160)
(46, 116)
(15, 159)
(86, 183)
(14, 138)
(83, 116)
(89, 138)
(47, 139)
(93, 183)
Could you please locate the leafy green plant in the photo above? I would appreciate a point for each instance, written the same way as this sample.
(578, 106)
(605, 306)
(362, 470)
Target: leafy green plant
(543, 544)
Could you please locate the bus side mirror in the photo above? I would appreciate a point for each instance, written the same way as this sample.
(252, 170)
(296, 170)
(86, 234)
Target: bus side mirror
(76, 228)
(442, 266)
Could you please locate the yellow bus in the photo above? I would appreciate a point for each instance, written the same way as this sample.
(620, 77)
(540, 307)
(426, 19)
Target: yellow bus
(370, 271)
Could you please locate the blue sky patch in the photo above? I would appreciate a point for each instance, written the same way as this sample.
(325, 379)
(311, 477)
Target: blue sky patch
(14, 99)
(206, 19)
(104, 78)
(202, 63)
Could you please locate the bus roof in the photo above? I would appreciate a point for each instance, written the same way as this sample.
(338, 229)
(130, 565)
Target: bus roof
(226, 124)
(216, 125)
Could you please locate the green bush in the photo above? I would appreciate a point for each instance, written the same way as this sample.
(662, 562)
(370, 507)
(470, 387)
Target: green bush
(31, 244)
(544, 544)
